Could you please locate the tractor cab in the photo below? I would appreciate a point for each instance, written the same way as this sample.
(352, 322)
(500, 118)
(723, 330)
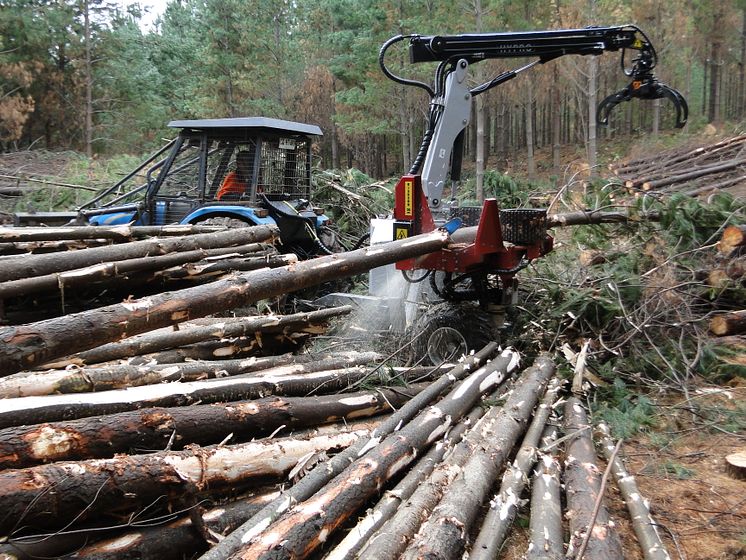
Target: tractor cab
(234, 172)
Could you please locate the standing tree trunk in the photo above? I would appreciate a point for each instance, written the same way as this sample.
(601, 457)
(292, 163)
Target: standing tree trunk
(556, 122)
(88, 81)
(530, 140)
(592, 102)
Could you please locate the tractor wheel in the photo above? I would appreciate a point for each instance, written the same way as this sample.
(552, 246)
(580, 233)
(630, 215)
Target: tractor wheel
(448, 331)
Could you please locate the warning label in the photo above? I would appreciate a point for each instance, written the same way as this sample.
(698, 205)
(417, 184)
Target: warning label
(402, 230)
(408, 199)
(401, 233)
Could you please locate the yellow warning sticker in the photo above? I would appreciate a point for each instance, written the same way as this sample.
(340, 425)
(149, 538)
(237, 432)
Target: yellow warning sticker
(408, 199)
(401, 233)
(637, 44)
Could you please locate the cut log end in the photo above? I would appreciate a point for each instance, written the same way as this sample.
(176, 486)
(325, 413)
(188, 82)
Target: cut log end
(729, 323)
(735, 464)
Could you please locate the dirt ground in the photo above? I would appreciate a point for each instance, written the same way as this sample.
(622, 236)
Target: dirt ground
(680, 470)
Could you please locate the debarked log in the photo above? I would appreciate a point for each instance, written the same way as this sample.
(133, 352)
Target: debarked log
(651, 545)
(53, 408)
(119, 269)
(154, 342)
(39, 265)
(49, 496)
(25, 346)
(504, 506)
(315, 480)
(446, 533)
(583, 486)
(116, 233)
(305, 527)
(153, 429)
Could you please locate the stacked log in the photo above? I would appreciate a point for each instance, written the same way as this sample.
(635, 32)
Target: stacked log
(692, 171)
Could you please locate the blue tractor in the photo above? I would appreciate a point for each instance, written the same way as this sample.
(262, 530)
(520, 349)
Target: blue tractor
(232, 172)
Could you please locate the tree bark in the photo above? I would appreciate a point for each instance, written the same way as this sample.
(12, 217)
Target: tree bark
(318, 477)
(504, 506)
(582, 487)
(585, 217)
(119, 234)
(147, 538)
(300, 532)
(709, 170)
(159, 428)
(87, 380)
(545, 524)
(530, 141)
(50, 496)
(38, 265)
(393, 499)
(153, 342)
(26, 346)
(54, 408)
(729, 323)
(109, 270)
(445, 534)
(651, 545)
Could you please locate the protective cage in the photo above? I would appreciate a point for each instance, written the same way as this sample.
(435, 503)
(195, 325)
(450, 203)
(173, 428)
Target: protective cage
(522, 226)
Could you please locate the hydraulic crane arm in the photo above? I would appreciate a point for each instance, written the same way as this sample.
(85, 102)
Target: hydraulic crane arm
(450, 93)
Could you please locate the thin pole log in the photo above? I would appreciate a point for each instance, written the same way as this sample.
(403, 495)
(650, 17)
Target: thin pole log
(446, 532)
(642, 522)
(302, 530)
(54, 408)
(39, 265)
(584, 217)
(115, 233)
(670, 180)
(729, 323)
(10, 251)
(385, 509)
(583, 487)
(49, 496)
(86, 380)
(110, 270)
(25, 346)
(391, 539)
(149, 537)
(318, 477)
(504, 506)
(154, 342)
(545, 523)
(158, 428)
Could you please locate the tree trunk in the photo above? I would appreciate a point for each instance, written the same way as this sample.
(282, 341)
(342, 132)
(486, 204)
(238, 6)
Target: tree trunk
(592, 102)
(597, 217)
(300, 532)
(53, 408)
(160, 428)
(122, 269)
(545, 524)
(88, 81)
(728, 324)
(713, 111)
(651, 545)
(318, 477)
(394, 499)
(153, 342)
(38, 265)
(504, 506)
(681, 177)
(582, 486)
(118, 234)
(51, 496)
(446, 532)
(732, 239)
(27, 346)
(556, 122)
(530, 140)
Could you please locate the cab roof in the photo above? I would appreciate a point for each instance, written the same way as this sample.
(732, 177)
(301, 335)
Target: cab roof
(257, 123)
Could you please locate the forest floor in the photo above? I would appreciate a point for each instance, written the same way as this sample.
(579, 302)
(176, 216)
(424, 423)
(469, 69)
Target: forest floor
(678, 460)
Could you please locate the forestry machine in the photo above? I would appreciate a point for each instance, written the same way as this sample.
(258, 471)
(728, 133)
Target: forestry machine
(490, 244)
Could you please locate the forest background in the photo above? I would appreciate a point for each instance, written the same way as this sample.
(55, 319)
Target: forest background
(85, 75)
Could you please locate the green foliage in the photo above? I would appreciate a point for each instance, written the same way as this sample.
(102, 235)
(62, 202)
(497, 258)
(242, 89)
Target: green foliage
(691, 224)
(625, 412)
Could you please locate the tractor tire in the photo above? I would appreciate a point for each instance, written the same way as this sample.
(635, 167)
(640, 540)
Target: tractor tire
(448, 331)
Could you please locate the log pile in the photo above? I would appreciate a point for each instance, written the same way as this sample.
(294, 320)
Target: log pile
(692, 171)
(57, 270)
